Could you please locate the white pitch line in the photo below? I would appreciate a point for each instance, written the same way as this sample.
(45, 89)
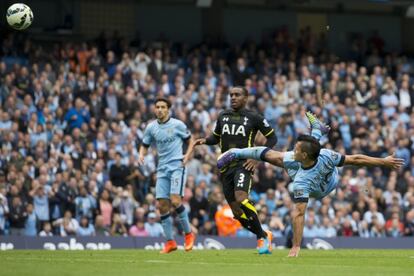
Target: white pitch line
(198, 263)
(157, 261)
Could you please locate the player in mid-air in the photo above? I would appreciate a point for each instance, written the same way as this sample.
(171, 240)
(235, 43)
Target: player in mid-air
(237, 128)
(169, 135)
(313, 170)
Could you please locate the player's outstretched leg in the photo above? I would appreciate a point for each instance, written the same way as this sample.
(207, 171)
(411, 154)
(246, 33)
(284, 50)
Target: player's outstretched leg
(229, 156)
(318, 129)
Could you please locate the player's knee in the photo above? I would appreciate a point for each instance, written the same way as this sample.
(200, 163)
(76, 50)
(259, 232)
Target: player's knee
(235, 208)
(240, 197)
(237, 213)
(298, 213)
(176, 201)
(164, 206)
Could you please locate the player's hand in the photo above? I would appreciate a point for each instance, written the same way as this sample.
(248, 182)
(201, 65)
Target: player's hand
(141, 160)
(393, 163)
(250, 164)
(200, 141)
(294, 251)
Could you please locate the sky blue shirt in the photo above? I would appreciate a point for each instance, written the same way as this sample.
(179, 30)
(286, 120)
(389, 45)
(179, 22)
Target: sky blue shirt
(317, 181)
(168, 137)
(154, 229)
(86, 231)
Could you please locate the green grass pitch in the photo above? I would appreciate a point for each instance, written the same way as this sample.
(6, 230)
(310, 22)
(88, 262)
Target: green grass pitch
(206, 262)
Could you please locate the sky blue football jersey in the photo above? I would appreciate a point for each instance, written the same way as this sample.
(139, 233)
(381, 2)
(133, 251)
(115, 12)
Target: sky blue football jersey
(168, 137)
(318, 180)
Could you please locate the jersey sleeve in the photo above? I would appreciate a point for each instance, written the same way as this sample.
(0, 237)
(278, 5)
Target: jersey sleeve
(288, 162)
(183, 131)
(334, 158)
(263, 125)
(217, 128)
(147, 139)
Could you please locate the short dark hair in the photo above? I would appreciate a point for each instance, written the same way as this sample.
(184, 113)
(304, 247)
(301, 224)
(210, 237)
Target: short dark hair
(165, 100)
(310, 145)
(245, 92)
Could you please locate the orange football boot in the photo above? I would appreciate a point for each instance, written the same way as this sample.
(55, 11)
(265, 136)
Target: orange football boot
(169, 247)
(189, 240)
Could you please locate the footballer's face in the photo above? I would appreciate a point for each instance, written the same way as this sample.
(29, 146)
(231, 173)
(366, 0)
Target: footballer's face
(299, 155)
(161, 111)
(238, 98)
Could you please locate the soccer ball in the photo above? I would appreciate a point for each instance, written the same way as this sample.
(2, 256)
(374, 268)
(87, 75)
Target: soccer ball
(19, 16)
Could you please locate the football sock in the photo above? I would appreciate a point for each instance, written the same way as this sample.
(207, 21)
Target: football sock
(254, 222)
(245, 222)
(183, 218)
(316, 133)
(167, 225)
(257, 153)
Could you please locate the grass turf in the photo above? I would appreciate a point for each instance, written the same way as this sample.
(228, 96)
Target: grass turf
(206, 262)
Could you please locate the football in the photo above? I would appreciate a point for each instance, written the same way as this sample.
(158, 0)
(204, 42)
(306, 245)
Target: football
(19, 16)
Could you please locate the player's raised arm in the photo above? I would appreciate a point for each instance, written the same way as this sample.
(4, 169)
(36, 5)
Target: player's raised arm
(213, 139)
(364, 160)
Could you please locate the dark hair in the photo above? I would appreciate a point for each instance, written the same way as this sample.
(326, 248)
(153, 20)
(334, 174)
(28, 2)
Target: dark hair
(245, 92)
(310, 145)
(165, 100)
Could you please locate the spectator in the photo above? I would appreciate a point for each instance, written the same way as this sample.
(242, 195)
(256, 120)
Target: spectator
(199, 206)
(47, 230)
(40, 201)
(85, 204)
(30, 226)
(67, 225)
(327, 230)
(394, 227)
(118, 172)
(377, 228)
(205, 175)
(125, 204)
(78, 115)
(118, 228)
(18, 217)
(226, 224)
(409, 224)
(105, 207)
(85, 228)
(100, 228)
(4, 211)
(373, 211)
(138, 229)
(346, 229)
(152, 227)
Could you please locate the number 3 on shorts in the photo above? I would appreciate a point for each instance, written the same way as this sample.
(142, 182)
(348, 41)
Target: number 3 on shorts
(241, 180)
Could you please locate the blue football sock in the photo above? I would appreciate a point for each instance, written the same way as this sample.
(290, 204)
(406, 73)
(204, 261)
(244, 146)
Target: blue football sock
(316, 133)
(167, 225)
(256, 153)
(183, 218)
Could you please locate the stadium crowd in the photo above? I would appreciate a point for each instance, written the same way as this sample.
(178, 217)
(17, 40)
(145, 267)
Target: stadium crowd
(72, 118)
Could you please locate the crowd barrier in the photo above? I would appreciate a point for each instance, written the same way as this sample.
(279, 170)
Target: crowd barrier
(202, 243)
